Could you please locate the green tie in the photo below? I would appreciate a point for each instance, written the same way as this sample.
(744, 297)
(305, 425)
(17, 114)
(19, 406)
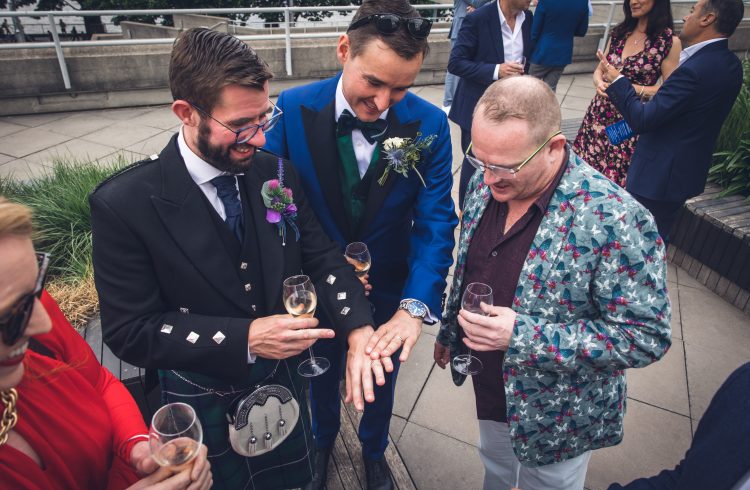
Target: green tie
(354, 202)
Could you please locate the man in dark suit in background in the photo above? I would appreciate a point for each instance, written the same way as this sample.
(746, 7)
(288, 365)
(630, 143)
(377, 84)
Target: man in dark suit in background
(556, 23)
(494, 42)
(461, 8)
(679, 126)
(189, 264)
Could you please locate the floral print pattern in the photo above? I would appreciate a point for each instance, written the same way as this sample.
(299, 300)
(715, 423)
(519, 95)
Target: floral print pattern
(591, 301)
(592, 144)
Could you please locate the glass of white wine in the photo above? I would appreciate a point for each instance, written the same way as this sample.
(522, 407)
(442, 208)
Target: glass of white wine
(300, 301)
(475, 294)
(175, 435)
(359, 256)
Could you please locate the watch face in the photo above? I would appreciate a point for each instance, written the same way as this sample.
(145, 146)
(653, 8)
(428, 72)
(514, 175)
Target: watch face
(417, 308)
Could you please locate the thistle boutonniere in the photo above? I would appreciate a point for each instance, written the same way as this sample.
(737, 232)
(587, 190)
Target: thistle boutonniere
(279, 202)
(404, 154)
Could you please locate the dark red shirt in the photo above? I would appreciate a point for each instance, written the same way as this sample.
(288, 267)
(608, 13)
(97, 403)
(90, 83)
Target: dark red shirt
(496, 259)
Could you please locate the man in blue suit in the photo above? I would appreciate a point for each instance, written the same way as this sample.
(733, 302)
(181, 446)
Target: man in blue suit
(494, 42)
(461, 8)
(334, 132)
(679, 126)
(556, 22)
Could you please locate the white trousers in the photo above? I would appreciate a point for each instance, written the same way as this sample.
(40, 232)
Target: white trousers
(503, 471)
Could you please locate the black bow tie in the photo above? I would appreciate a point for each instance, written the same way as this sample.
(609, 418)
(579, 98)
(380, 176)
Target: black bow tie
(372, 131)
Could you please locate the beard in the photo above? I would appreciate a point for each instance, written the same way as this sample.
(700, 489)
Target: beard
(220, 157)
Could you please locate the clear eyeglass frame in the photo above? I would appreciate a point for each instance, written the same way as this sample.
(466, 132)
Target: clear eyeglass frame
(506, 171)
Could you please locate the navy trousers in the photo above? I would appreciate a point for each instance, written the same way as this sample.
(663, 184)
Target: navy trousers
(325, 403)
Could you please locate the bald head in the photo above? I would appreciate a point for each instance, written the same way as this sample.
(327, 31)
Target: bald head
(524, 98)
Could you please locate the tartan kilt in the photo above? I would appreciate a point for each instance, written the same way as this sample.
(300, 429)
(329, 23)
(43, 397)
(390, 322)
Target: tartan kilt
(287, 466)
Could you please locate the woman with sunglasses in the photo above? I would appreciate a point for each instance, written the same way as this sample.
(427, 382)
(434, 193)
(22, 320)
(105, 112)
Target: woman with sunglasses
(66, 421)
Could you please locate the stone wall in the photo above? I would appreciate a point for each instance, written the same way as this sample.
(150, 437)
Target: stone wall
(122, 76)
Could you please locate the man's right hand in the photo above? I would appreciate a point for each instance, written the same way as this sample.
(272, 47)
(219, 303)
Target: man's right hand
(510, 69)
(442, 355)
(283, 336)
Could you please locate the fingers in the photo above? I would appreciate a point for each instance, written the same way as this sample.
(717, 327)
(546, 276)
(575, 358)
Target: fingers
(389, 344)
(477, 346)
(374, 340)
(348, 384)
(377, 370)
(368, 389)
(387, 364)
(354, 387)
(300, 323)
(312, 334)
(440, 355)
(600, 55)
(408, 344)
(200, 463)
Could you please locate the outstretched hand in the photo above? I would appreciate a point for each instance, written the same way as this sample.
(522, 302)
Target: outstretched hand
(400, 331)
(361, 369)
(608, 72)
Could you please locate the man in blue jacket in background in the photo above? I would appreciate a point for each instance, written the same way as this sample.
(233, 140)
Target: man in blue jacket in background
(556, 22)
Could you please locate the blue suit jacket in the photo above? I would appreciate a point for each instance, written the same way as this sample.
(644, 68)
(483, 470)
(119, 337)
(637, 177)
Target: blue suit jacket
(407, 227)
(679, 126)
(555, 24)
(478, 49)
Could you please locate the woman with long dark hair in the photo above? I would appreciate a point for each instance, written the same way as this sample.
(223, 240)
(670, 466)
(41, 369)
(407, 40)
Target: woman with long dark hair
(643, 48)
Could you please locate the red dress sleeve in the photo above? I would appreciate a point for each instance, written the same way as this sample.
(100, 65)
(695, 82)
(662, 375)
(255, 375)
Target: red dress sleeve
(70, 348)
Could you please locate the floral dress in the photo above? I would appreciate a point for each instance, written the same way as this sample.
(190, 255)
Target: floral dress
(592, 144)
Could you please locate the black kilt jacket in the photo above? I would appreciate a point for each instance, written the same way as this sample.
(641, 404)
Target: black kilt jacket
(176, 294)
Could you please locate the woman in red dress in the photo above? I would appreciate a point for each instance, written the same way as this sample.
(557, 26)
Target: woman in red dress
(644, 49)
(66, 421)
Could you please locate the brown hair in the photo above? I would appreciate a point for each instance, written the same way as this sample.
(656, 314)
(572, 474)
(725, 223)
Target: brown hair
(203, 62)
(729, 14)
(15, 219)
(526, 98)
(401, 42)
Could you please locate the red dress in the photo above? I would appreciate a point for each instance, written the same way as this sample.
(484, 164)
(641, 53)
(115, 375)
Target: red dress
(75, 414)
(592, 144)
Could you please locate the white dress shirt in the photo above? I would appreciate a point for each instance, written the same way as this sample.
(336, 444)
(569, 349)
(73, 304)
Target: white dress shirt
(512, 39)
(363, 149)
(202, 172)
(691, 50)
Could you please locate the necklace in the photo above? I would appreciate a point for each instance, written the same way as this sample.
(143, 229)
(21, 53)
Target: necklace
(10, 415)
(636, 42)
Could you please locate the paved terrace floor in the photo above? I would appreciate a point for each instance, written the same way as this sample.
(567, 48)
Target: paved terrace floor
(434, 424)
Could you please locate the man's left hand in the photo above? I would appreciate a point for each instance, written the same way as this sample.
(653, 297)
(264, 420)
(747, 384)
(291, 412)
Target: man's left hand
(400, 330)
(488, 333)
(141, 460)
(360, 369)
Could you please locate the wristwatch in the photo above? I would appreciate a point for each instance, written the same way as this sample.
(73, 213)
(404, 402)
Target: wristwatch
(414, 307)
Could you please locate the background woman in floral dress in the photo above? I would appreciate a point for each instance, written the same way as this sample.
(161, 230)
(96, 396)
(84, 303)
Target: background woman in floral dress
(644, 49)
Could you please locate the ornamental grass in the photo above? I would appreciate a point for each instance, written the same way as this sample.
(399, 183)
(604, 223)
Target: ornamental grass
(62, 227)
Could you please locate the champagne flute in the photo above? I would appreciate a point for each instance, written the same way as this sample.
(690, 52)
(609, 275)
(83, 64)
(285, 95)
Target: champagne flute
(475, 294)
(359, 256)
(175, 435)
(300, 301)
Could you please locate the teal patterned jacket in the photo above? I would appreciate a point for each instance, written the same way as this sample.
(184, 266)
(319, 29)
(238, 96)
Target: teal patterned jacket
(591, 301)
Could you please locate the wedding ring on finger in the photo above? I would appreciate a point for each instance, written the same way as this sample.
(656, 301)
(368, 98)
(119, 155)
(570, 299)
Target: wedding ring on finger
(400, 340)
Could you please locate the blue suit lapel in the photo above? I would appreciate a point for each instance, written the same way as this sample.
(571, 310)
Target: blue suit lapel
(320, 129)
(496, 34)
(379, 193)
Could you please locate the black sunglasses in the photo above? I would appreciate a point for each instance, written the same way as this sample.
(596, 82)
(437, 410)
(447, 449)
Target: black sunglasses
(14, 323)
(418, 27)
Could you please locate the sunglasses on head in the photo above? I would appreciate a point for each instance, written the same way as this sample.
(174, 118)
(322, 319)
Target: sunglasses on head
(14, 323)
(417, 27)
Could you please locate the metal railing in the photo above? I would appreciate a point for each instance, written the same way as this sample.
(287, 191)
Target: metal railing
(287, 36)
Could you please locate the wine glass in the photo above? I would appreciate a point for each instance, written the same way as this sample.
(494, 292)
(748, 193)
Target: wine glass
(359, 256)
(175, 435)
(475, 294)
(300, 301)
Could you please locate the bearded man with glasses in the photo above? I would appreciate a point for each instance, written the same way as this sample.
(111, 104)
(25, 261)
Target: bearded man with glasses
(338, 134)
(578, 277)
(189, 263)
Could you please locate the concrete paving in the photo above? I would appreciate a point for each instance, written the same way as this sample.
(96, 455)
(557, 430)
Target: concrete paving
(434, 424)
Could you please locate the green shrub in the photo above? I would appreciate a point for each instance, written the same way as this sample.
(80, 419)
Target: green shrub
(62, 227)
(731, 165)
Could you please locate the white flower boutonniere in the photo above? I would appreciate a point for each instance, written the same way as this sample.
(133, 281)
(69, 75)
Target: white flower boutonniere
(404, 154)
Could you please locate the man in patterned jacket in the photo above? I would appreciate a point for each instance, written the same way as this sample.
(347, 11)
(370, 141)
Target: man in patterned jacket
(578, 275)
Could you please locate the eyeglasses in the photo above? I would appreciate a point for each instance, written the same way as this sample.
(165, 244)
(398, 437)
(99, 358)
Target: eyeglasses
(500, 169)
(247, 133)
(14, 323)
(418, 27)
